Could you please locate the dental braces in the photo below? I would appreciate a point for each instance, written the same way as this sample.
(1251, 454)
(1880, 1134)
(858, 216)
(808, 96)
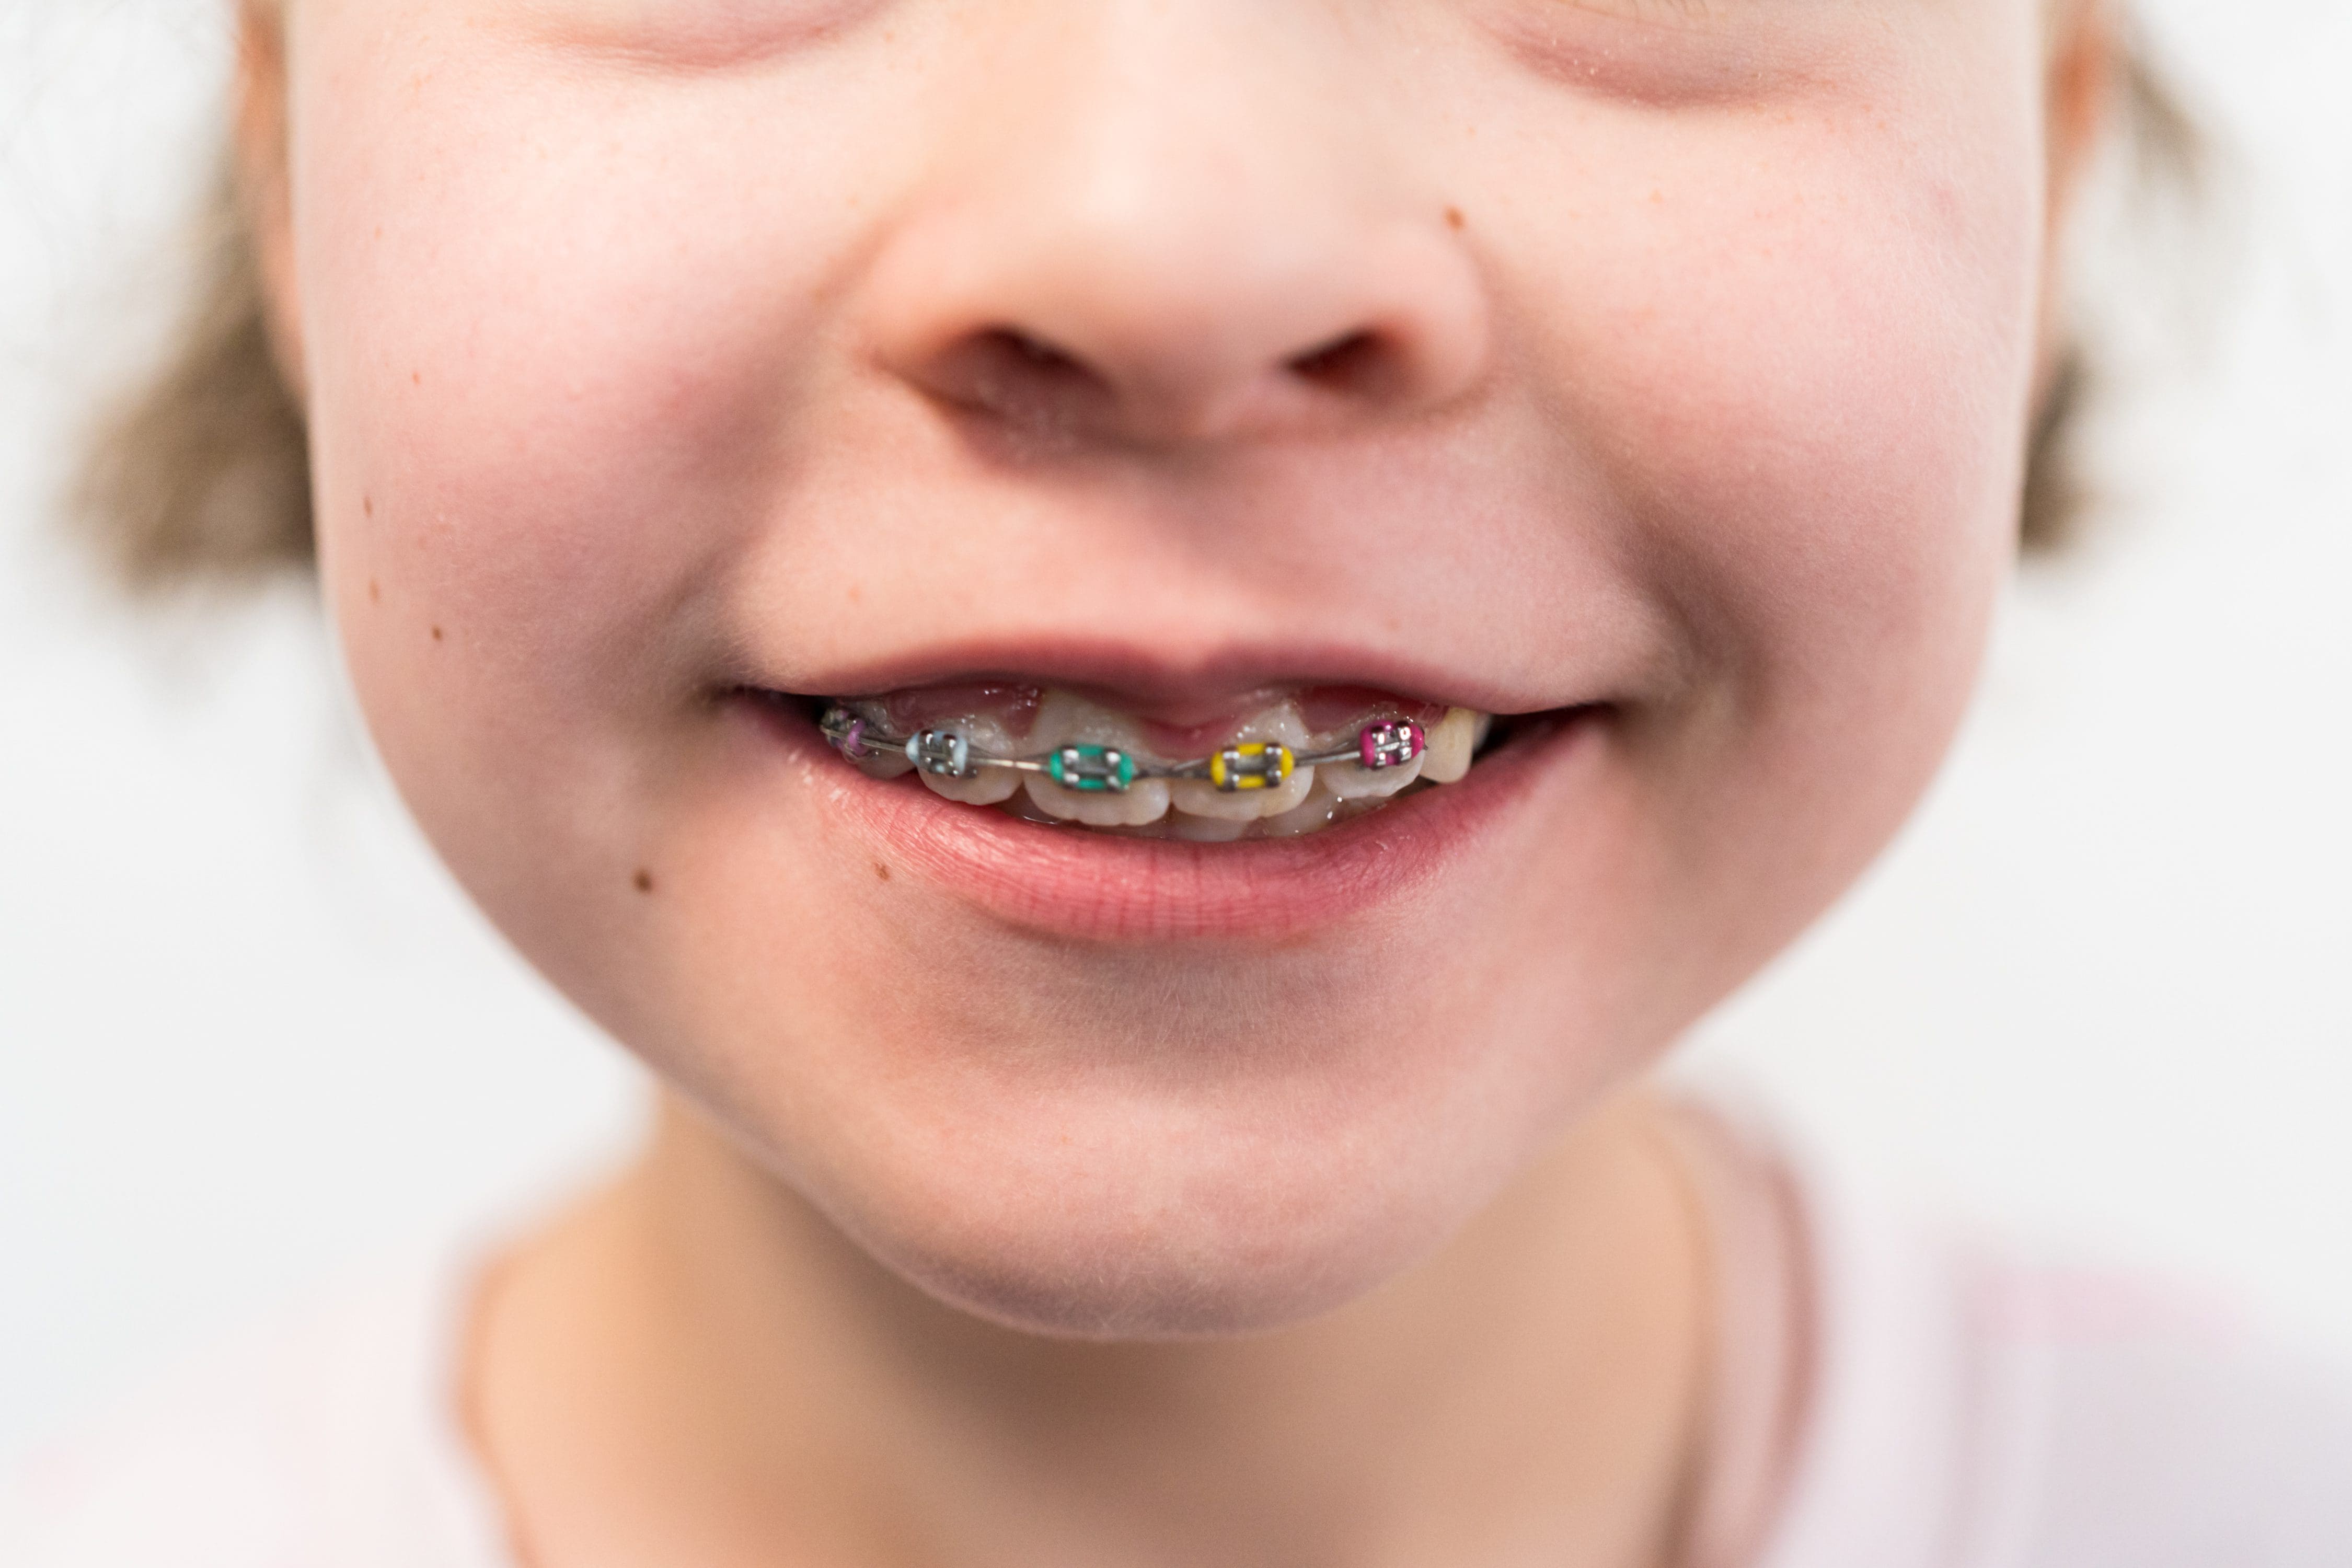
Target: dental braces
(948, 752)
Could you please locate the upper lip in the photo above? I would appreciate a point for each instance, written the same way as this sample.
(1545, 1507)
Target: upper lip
(1157, 683)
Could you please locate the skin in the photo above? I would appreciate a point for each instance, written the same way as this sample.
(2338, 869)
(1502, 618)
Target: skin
(651, 346)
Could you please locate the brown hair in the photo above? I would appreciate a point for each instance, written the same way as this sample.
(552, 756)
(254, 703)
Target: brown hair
(202, 475)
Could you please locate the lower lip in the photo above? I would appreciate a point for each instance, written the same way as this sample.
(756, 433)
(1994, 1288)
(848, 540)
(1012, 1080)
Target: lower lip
(1071, 883)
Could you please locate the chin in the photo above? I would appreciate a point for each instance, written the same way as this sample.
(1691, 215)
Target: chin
(1081, 1212)
(1073, 1271)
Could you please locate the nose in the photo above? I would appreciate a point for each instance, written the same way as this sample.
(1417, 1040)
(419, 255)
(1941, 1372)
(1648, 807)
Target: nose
(1171, 225)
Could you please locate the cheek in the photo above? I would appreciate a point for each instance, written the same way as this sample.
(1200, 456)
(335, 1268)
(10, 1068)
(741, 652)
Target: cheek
(548, 362)
(546, 417)
(1799, 353)
(1807, 378)
(1826, 486)
(1806, 369)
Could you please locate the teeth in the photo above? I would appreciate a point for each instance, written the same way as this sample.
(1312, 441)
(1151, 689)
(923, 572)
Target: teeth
(1453, 741)
(988, 786)
(1195, 809)
(1199, 797)
(1353, 781)
(1144, 801)
(1204, 829)
(1310, 815)
(985, 786)
(1065, 721)
(887, 763)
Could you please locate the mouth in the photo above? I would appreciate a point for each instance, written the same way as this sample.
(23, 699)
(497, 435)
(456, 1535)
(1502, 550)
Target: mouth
(958, 785)
(1279, 762)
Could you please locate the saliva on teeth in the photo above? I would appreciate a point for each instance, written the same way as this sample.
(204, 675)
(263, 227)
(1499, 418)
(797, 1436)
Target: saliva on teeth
(1087, 764)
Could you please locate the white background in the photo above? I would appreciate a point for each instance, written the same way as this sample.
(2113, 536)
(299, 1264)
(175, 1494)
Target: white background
(249, 1034)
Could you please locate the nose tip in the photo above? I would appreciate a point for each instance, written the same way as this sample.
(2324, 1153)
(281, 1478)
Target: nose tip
(1231, 324)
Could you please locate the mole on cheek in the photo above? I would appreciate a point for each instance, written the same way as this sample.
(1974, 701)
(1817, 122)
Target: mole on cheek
(881, 872)
(1453, 217)
(643, 881)
(436, 634)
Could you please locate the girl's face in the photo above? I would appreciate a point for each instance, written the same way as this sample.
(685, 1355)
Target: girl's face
(1658, 369)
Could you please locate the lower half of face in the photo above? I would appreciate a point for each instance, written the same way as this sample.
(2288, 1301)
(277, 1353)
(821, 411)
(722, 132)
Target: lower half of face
(1146, 684)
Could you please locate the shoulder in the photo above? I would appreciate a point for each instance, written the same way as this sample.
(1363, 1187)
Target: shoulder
(1976, 1408)
(328, 1442)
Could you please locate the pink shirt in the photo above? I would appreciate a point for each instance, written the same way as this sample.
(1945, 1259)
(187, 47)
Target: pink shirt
(1887, 1397)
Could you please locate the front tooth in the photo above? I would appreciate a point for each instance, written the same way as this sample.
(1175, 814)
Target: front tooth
(1278, 726)
(1199, 797)
(1143, 802)
(1452, 743)
(1064, 720)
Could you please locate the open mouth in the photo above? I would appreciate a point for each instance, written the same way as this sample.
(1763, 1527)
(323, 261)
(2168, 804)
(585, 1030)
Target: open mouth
(1286, 763)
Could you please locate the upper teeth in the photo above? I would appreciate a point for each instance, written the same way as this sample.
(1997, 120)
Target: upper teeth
(1091, 765)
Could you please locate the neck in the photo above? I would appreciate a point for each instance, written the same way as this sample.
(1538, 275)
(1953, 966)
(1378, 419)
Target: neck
(694, 1366)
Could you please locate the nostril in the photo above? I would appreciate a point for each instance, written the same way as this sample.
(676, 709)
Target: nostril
(1033, 352)
(1018, 377)
(1358, 363)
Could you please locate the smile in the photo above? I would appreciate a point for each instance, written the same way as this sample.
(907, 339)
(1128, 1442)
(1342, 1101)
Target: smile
(1299, 762)
(976, 831)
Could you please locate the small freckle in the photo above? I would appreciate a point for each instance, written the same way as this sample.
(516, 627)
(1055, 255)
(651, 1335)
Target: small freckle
(416, 377)
(643, 881)
(856, 594)
(881, 872)
(375, 592)
(436, 634)
(1453, 217)
(379, 231)
(367, 505)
